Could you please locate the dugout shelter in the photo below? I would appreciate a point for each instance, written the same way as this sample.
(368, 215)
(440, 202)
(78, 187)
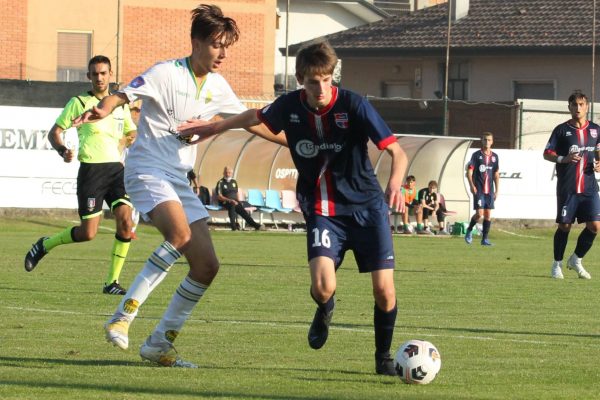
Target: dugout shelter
(259, 164)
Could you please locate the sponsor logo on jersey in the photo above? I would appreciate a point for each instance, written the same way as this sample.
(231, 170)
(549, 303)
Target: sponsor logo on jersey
(308, 149)
(574, 149)
(91, 203)
(341, 120)
(594, 133)
(482, 168)
(137, 82)
(568, 133)
(294, 118)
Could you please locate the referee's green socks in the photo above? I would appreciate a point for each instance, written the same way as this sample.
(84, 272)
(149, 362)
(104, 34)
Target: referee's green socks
(119, 253)
(64, 237)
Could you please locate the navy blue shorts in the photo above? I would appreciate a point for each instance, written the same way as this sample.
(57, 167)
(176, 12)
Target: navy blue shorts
(584, 208)
(483, 201)
(366, 233)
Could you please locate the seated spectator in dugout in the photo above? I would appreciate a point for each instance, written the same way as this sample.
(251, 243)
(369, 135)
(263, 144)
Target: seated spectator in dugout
(441, 213)
(227, 194)
(429, 204)
(201, 191)
(411, 203)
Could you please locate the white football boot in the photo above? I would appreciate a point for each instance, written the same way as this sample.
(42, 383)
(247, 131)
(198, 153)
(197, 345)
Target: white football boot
(116, 330)
(163, 354)
(556, 271)
(575, 264)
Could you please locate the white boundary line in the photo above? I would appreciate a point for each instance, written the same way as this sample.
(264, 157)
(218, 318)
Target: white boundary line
(333, 327)
(519, 235)
(99, 226)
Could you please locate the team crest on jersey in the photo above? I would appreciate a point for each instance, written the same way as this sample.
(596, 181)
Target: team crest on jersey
(137, 82)
(91, 203)
(341, 120)
(493, 158)
(294, 118)
(594, 133)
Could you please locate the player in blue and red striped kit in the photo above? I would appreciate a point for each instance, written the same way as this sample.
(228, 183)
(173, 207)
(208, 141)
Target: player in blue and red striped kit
(575, 148)
(327, 129)
(484, 178)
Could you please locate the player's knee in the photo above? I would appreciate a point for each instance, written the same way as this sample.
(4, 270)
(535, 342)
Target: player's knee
(181, 239)
(85, 235)
(385, 297)
(323, 290)
(124, 226)
(204, 270)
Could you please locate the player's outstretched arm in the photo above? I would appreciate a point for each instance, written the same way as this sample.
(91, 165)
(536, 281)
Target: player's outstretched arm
(393, 192)
(200, 130)
(264, 132)
(102, 110)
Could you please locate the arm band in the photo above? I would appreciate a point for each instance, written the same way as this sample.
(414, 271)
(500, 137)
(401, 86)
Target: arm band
(61, 151)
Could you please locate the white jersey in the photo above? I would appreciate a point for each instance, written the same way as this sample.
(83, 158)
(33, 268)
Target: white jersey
(171, 95)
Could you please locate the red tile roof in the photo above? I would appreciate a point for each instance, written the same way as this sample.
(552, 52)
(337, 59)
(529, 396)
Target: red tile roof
(491, 26)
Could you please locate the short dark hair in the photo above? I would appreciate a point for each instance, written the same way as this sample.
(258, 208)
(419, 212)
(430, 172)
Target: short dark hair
(99, 59)
(577, 95)
(411, 178)
(208, 22)
(316, 58)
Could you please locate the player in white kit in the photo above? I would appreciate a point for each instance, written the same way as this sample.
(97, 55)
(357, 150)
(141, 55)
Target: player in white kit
(155, 176)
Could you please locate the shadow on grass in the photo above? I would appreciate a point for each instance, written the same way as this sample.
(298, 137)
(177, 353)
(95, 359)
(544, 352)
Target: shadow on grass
(478, 331)
(113, 388)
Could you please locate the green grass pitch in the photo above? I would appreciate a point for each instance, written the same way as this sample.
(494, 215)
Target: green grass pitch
(504, 328)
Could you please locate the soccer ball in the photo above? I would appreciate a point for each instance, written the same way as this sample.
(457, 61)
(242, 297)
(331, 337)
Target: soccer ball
(417, 361)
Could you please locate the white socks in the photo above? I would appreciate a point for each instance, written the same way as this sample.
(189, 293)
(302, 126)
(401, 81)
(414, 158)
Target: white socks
(183, 302)
(154, 271)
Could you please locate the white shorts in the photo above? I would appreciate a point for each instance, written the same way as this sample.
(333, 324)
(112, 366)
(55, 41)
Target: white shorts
(149, 189)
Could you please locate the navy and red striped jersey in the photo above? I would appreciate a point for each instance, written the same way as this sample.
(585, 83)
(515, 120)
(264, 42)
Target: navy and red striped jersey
(329, 149)
(575, 177)
(484, 167)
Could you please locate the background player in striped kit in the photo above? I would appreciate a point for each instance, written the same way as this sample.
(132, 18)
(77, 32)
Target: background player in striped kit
(574, 147)
(327, 129)
(484, 178)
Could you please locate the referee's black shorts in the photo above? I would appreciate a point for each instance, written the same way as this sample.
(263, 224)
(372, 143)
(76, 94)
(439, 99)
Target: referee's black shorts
(97, 183)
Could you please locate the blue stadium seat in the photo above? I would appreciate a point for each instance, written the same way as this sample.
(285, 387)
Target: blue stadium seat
(256, 199)
(273, 200)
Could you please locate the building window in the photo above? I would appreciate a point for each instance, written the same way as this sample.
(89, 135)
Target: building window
(540, 90)
(74, 52)
(458, 80)
(392, 89)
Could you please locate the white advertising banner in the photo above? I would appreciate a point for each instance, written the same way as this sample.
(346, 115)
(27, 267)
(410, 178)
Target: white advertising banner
(527, 185)
(32, 175)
